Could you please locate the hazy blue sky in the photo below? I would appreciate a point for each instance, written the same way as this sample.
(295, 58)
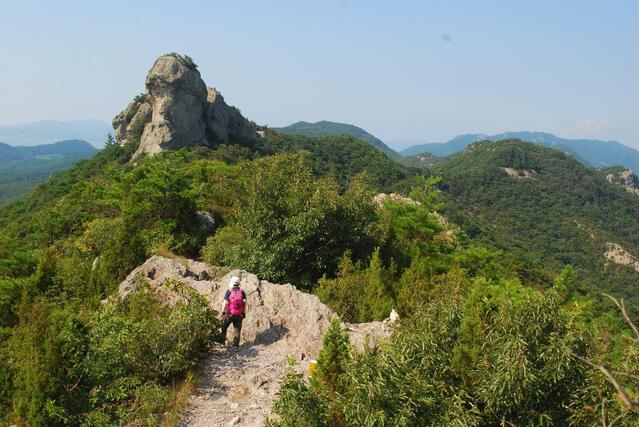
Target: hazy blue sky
(402, 70)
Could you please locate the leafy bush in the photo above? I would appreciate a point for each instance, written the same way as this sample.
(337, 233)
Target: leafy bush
(129, 351)
(185, 60)
(289, 226)
(140, 98)
(525, 374)
(359, 294)
(296, 405)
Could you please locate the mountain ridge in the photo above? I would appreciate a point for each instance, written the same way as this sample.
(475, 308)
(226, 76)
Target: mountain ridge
(45, 132)
(596, 153)
(59, 148)
(545, 207)
(329, 128)
(23, 168)
(472, 281)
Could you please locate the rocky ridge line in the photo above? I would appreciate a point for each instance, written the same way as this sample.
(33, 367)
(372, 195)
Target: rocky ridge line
(238, 387)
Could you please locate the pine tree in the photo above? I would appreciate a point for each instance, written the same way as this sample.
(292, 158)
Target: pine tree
(330, 379)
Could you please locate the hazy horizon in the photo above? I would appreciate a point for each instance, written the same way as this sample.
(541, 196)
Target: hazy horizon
(402, 71)
(397, 145)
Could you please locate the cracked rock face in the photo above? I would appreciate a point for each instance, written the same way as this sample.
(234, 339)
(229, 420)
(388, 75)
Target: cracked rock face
(177, 111)
(275, 312)
(178, 101)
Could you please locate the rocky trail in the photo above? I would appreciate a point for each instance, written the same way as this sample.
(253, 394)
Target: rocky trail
(238, 386)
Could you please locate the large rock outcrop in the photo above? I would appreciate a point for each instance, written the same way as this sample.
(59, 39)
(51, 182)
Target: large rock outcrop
(178, 110)
(238, 386)
(276, 312)
(625, 178)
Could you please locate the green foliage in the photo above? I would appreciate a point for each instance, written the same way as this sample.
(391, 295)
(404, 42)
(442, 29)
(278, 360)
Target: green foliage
(145, 338)
(43, 370)
(342, 157)
(289, 226)
(524, 374)
(332, 361)
(564, 215)
(411, 229)
(64, 367)
(316, 404)
(71, 242)
(359, 294)
(140, 98)
(296, 404)
(477, 345)
(326, 128)
(415, 246)
(185, 60)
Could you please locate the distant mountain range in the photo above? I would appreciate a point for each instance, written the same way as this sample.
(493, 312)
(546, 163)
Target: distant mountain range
(590, 151)
(23, 168)
(326, 128)
(49, 131)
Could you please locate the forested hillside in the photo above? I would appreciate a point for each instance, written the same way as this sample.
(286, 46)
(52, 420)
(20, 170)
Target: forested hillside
(102, 220)
(496, 326)
(67, 246)
(23, 168)
(553, 212)
(591, 152)
(326, 128)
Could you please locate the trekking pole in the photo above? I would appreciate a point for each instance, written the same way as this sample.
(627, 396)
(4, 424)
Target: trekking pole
(259, 292)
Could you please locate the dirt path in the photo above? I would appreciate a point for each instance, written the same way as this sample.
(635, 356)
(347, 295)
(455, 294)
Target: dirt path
(238, 387)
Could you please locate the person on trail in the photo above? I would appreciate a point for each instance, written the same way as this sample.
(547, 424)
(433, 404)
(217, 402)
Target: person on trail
(233, 309)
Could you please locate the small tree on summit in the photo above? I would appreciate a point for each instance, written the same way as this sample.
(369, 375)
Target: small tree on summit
(185, 60)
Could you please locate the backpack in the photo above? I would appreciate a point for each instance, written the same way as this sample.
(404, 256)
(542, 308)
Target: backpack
(236, 304)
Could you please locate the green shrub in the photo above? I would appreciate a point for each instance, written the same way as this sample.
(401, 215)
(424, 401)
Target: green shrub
(47, 350)
(115, 366)
(289, 226)
(296, 405)
(359, 294)
(524, 372)
(185, 60)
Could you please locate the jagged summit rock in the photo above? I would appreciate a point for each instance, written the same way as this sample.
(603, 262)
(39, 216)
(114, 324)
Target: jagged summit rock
(178, 110)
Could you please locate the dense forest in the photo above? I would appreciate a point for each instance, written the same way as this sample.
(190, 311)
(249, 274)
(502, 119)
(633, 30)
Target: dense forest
(564, 214)
(326, 128)
(494, 330)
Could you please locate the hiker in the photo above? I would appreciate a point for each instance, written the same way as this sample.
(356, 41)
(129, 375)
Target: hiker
(233, 309)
